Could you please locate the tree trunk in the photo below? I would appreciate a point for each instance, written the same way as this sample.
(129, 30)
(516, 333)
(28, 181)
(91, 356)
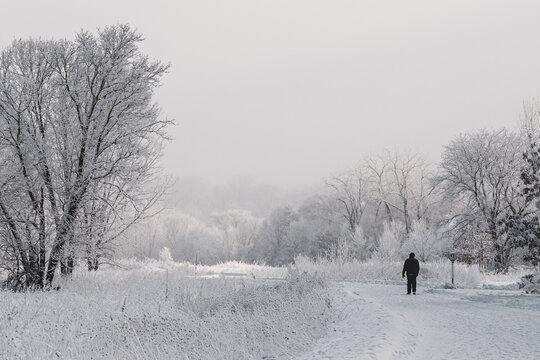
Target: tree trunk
(388, 212)
(66, 265)
(501, 257)
(53, 262)
(63, 236)
(93, 263)
(406, 216)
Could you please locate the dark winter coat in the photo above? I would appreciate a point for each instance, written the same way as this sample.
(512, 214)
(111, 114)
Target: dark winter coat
(411, 266)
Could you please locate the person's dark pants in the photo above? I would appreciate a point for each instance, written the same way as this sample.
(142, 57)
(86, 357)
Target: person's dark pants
(411, 282)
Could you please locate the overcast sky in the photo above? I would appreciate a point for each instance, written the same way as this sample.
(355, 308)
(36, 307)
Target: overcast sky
(289, 92)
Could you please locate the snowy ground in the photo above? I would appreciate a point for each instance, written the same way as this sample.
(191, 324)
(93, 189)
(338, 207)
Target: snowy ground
(379, 321)
(153, 311)
(156, 310)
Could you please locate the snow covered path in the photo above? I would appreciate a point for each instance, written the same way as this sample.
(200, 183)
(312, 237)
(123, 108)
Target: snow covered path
(378, 321)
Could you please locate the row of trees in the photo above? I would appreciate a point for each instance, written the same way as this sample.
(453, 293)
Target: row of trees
(480, 202)
(312, 230)
(386, 197)
(227, 235)
(483, 198)
(79, 140)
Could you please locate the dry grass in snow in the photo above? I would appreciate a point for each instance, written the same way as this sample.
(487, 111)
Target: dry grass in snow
(153, 312)
(438, 272)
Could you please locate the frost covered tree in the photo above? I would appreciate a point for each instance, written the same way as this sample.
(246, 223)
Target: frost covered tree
(389, 242)
(389, 187)
(274, 244)
(425, 241)
(317, 228)
(77, 123)
(239, 229)
(400, 183)
(377, 176)
(190, 239)
(165, 255)
(402, 170)
(481, 172)
(350, 193)
(523, 223)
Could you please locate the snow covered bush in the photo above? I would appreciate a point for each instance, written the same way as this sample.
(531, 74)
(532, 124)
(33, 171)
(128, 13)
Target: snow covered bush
(362, 244)
(165, 255)
(424, 241)
(388, 248)
(530, 283)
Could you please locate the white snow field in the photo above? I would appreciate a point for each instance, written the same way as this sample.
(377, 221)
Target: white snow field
(167, 311)
(234, 311)
(379, 321)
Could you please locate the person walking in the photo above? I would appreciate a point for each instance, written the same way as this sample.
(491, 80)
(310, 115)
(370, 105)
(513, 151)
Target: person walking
(412, 268)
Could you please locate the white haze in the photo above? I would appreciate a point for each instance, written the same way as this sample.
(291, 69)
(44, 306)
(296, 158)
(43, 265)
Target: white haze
(289, 92)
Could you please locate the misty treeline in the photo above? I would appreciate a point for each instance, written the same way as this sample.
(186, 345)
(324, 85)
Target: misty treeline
(79, 140)
(376, 209)
(479, 203)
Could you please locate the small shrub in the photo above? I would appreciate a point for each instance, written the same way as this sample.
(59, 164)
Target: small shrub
(165, 255)
(530, 284)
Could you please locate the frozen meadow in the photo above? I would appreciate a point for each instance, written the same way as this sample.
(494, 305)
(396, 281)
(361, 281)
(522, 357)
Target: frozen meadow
(165, 311)
(323, 310)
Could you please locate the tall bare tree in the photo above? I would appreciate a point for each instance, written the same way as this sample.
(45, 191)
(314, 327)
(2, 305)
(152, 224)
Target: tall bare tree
(350, 192)
(76, 117)
(400, 182)
(407, 173)
(482, 171)
(377, 175)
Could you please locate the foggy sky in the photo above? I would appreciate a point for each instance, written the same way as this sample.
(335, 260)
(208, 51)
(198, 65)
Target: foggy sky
(289, 92)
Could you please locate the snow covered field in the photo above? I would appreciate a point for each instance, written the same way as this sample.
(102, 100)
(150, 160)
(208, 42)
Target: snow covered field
(154, 310)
